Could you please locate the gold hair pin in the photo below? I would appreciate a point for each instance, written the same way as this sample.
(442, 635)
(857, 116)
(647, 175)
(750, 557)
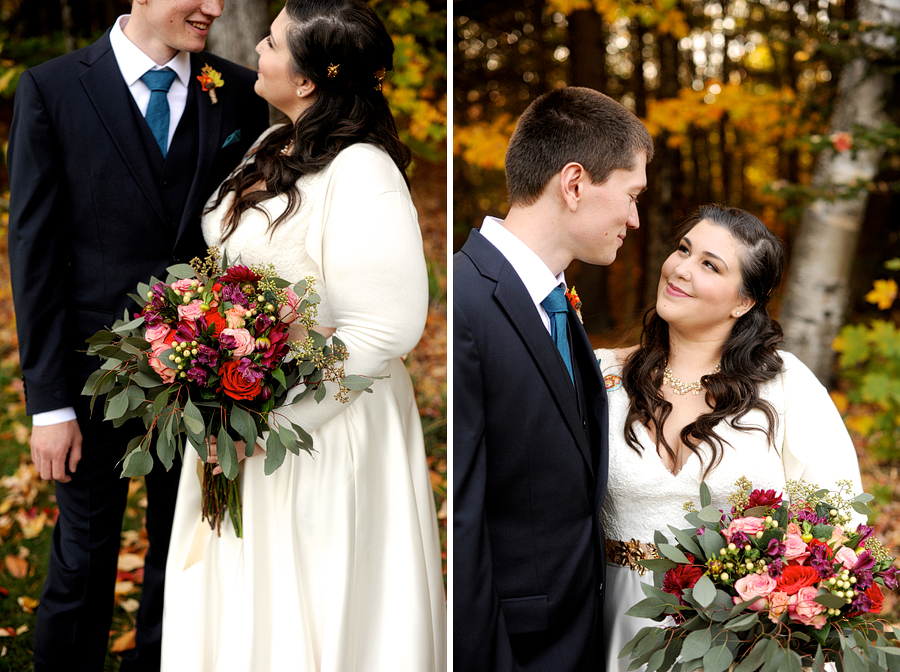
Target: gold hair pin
(333, 70)
(379, 75)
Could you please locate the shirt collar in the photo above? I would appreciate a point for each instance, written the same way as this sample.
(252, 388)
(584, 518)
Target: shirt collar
(134, 63)
(534, 273)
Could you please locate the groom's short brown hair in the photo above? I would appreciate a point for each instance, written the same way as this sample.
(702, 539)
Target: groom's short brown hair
(566, 125)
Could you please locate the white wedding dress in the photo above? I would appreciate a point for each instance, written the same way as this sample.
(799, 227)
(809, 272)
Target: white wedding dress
(643, 496)
(339, 568)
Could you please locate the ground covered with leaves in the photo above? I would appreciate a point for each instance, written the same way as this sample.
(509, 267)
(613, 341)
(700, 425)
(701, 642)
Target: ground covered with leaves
(27, 506)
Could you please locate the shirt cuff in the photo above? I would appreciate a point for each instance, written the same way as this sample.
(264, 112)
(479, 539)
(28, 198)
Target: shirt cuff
(56, 417)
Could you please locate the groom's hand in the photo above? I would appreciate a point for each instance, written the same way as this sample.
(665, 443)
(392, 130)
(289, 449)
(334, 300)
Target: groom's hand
(52, 446)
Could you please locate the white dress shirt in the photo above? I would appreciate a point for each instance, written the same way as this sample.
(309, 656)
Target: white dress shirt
(534, 273)
(133, 63)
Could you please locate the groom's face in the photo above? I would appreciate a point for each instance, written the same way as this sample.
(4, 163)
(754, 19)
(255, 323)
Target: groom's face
(607, 211)
(180, 25)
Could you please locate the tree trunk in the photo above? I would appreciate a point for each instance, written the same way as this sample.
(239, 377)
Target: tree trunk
(236, 33)
(816, 297)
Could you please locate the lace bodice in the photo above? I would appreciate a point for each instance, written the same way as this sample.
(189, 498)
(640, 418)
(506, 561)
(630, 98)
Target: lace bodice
(643, 496)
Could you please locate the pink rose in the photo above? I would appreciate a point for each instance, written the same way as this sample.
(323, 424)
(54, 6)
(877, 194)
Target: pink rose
(778, 602)
(235, 317)
(749, 525)
(793, 528)
(804, 609)
(191, 311)
(846, 557)
(754, 585)
(287, 312)
(244, 343)
(157, 333)
(183, 285)
(161, 366)
(795, 548)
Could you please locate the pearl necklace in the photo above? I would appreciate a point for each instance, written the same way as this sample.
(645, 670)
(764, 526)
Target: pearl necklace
(679, 387)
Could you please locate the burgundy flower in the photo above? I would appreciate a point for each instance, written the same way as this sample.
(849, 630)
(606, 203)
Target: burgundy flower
(810, 516)
(864, 532)
(262, 323)
(184, 333)
(207, 355)
(776, 548)
(234, 294)
(239, 274)
(680, 578)
(197, 375)
(889, 576)
(775, 568)
(766, 498)
(820, 558)
(250, 371)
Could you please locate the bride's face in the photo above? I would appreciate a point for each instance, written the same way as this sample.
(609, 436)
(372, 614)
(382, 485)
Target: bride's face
(700, 283)
(276, 81)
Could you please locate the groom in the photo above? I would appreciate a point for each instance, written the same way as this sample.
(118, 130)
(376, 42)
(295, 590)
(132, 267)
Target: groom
(530, 428)
(113, 151)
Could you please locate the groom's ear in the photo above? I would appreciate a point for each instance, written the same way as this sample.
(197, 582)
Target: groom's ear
(571, 184)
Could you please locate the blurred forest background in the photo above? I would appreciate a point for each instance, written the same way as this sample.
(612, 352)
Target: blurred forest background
(786, 108)
(33, 31)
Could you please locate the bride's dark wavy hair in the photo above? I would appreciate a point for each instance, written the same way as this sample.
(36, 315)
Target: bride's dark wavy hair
(348, 108)
(749, 356)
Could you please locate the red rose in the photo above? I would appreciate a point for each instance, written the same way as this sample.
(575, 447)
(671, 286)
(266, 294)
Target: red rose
(795, 577)
(680, 578)
(235, 385)
(214, 318)
(874, 593)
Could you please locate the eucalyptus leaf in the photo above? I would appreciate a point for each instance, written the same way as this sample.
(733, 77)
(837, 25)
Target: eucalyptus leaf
(830, 600)
(743, 623)
(275, 453)
(181, 271)
(656, 660)
(705, 495)
(755, 658)
(687, 540)
(712, 543)
(116, 405)
(357, 383)
(137, 463)
(673, 553)
(629, 647)
(696, 644)
(717, 659)
(648, 608)
(278, 375)
(704, 591)
(165, 447)
(864, 497)
(193, 422)
(320, 394)
(657, 564)
(710, 514)
(861, 508)
(146, 381)
(653, 591)
(288, 439)
(226, 453)
(128, 326)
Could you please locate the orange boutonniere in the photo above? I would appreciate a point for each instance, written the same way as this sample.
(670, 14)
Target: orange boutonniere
(210, 80)
(575, 300)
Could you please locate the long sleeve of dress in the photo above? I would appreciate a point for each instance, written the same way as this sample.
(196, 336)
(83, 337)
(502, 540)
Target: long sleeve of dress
(366, 240)
(817, 446)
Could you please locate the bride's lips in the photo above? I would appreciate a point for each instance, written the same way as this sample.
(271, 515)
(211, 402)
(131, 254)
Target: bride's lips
(672, 290)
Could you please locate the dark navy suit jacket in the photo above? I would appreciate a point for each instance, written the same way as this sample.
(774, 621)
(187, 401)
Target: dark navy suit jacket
(529, 475)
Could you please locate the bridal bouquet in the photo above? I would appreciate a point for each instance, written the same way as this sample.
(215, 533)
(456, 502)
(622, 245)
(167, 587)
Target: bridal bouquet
(772, 584)
(209, 355)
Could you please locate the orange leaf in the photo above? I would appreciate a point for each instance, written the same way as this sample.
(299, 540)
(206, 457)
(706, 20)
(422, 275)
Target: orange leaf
(28, 604)
(123, 642)
(18, 567)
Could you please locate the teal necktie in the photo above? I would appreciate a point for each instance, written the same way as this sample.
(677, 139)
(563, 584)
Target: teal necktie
(556, 306)
(159, 81)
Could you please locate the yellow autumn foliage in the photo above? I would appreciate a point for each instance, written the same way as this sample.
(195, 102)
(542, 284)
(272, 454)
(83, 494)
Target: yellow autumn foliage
(663, 15)
(883, 294)
(483, 144)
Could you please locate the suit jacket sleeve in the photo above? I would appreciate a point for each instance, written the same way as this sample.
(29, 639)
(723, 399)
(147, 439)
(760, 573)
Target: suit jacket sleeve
(480, 638)
(37, 251)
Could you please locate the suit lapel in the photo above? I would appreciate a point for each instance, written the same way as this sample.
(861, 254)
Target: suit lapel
(209, 125)
(105, 87)
(516, 303)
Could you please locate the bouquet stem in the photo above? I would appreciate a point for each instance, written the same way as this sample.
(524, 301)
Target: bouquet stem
(218, 495)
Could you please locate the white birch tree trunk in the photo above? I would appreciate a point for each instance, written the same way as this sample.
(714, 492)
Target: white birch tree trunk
(816, 296)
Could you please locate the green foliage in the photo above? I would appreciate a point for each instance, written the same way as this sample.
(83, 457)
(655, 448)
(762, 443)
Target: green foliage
(869, 361)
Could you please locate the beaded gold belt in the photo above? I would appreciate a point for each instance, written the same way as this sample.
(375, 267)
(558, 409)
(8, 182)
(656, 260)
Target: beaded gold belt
(627, 554)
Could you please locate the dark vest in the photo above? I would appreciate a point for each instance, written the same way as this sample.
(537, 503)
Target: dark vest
(174, 174)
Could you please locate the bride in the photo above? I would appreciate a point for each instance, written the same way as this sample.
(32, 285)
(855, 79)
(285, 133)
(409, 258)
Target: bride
(339, 567)
(707, 396)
